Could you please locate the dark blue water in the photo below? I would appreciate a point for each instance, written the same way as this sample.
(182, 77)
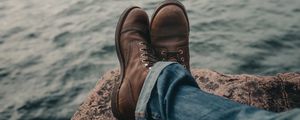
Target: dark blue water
(53, 51)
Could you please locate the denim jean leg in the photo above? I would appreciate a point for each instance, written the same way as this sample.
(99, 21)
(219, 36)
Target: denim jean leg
(141, 108)
(176, 96)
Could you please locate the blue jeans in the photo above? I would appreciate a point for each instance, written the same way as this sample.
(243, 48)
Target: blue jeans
(171, 93)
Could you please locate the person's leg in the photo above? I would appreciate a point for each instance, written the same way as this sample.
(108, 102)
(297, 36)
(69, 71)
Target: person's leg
(171, 93)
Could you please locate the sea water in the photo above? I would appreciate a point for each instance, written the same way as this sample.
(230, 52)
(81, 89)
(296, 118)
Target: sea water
(52, 52)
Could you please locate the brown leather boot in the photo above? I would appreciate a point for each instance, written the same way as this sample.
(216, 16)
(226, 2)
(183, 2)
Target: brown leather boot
(135, 57)
(170, 33)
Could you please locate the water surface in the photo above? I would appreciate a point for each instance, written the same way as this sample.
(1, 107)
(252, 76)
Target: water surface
(53, 51)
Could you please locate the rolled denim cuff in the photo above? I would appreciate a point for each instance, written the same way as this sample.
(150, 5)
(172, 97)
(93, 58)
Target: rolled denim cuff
(150, 81)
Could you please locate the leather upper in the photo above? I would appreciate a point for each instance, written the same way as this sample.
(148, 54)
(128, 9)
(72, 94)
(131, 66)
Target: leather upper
(134, 38)
(170, 34)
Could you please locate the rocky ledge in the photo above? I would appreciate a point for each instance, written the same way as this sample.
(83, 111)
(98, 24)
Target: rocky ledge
(275, 93)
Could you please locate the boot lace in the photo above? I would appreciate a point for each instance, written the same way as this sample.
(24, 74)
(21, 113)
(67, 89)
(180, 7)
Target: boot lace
(148, 57)
(173, 56)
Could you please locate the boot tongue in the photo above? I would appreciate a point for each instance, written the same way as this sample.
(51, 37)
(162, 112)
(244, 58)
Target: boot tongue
(172, 55)
(172, 59)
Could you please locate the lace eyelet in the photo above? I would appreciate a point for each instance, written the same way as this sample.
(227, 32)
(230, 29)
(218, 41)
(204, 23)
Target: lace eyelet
(143, 60)
(182, 59)
(180, 51)
(146, 65)
(141, 43)
(163, 52)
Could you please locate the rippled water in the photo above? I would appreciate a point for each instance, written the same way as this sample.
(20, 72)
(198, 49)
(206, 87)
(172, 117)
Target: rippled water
(53, 51)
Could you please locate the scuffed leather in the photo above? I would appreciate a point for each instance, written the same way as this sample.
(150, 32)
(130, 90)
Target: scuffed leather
(134, 31)
(170, 33)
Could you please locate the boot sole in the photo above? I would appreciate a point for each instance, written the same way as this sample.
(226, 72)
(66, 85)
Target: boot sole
(115, 92)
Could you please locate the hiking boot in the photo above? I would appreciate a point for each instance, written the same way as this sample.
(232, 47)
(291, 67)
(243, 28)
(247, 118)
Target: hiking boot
(136, 58)
(170, 33)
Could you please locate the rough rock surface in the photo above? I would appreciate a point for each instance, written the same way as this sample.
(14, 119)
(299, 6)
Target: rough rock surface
(276, 93)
